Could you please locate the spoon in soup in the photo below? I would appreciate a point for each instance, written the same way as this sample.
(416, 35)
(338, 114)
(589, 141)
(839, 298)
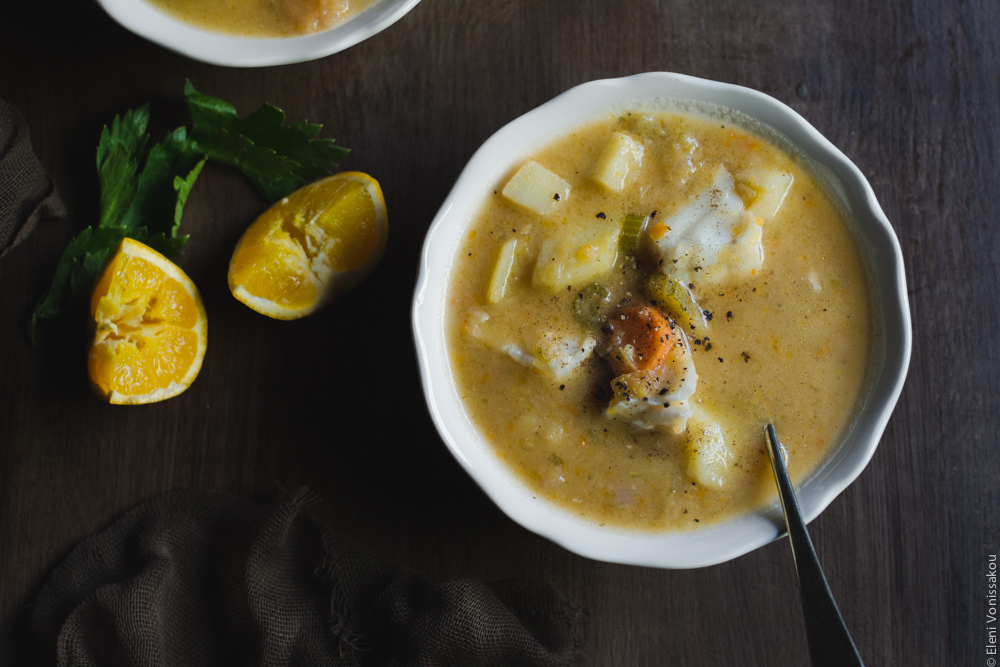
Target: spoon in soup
(830, 643)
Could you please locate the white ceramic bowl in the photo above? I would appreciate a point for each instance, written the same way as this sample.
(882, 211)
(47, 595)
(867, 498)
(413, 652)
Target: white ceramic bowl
(716, 543)
(150, 22)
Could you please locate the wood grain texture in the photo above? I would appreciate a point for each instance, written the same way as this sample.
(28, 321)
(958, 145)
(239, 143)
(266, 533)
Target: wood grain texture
(908, 90)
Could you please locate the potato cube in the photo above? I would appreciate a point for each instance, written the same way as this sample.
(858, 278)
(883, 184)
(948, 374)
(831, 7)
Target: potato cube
(578, 254)
(708, 456)
(535, 187)
(501, 272)
(621, 155)
(771, 187)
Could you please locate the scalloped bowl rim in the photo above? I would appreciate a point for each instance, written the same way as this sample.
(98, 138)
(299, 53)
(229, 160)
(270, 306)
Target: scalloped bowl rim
(714, 543)
(148, 21)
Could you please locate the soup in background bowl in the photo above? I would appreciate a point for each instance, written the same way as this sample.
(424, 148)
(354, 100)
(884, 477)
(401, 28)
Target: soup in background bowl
(721, 222)
(298, 31)
(263, 18)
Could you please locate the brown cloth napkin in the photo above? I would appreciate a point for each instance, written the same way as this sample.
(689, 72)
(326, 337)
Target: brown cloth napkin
(198, 578)
(26, 193)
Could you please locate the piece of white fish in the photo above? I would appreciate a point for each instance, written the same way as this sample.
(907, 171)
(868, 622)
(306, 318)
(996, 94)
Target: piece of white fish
(711, 238)
(551, 354)
(658, 398)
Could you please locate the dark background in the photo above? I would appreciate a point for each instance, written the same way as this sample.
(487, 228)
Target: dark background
(909, 91)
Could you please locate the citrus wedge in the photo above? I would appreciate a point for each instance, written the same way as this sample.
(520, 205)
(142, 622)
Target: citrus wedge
(150, 328)
(311, 246)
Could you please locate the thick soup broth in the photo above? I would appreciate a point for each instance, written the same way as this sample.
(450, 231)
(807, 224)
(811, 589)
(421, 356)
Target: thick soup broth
(624, 322)
(263, 18)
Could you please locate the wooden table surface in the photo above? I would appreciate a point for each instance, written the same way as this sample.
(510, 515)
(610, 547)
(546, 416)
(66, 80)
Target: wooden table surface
(909, 91)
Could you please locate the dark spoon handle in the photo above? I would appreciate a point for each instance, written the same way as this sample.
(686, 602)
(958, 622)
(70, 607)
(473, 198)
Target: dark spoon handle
(830, 644)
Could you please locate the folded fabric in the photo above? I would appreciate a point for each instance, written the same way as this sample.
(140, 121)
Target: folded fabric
(26, 193)
(199, 578)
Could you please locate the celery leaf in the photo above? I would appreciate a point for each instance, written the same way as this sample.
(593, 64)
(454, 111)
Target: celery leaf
(143, 193)
(278, 158)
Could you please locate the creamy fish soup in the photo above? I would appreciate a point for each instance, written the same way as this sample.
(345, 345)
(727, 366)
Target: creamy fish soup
(635, 302)
(263, 18)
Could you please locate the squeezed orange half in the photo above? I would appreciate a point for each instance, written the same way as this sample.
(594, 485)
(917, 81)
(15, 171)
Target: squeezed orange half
(311, 246)
(150, 327)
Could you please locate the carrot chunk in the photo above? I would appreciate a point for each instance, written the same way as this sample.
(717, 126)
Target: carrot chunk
(639, 339)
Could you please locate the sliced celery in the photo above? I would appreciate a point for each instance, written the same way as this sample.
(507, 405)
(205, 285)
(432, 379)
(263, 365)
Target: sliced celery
(628, 241)
(676, 299)
(589, 303)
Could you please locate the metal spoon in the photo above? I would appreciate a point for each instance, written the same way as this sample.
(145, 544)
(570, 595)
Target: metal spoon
(830, 644)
